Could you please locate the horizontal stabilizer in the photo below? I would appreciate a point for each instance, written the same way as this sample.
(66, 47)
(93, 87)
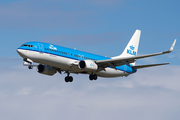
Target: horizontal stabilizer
(145, 66)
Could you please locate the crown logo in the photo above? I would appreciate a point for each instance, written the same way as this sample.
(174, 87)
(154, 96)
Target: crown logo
(52, 47)
(131, 47)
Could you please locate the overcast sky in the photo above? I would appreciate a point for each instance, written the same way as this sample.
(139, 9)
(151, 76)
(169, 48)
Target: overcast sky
(103, 27)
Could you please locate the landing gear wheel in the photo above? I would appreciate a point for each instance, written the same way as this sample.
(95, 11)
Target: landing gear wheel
(68, 79)
(93, 77)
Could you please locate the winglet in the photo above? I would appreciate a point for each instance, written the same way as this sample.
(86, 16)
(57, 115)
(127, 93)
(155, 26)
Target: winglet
(171, 48)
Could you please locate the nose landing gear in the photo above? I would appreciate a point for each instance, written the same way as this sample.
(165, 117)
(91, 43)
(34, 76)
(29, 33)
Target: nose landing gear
(28, 62)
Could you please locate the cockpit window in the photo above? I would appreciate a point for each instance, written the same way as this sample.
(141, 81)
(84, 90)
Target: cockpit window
(27, 45)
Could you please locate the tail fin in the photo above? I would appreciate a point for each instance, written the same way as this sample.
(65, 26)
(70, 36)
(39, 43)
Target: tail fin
(132, 47)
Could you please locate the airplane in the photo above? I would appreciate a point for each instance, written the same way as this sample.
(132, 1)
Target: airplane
(53, 58)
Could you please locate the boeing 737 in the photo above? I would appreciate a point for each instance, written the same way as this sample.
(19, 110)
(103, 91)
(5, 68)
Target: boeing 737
(52, 59)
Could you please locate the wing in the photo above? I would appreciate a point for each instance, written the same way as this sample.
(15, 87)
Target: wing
(126, 60)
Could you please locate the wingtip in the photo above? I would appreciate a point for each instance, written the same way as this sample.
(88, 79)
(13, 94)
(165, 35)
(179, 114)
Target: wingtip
(172, 46)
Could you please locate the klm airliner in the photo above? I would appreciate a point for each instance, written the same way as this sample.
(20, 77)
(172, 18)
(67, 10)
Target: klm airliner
(53, 59)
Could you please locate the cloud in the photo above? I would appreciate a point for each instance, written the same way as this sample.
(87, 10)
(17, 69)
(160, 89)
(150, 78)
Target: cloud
(149, 94)
(24, 91)
(7, 62)
(165, 78)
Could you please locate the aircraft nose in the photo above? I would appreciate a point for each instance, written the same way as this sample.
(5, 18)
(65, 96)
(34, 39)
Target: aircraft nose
(18, 51)
(21, 53)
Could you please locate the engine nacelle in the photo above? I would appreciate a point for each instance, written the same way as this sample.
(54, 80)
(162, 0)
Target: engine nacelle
(45, 69)
(88, 65)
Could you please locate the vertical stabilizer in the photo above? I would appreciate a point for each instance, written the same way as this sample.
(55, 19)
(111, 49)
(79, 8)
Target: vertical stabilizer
(132, 47)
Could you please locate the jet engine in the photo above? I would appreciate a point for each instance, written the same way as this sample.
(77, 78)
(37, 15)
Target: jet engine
(88, 65)
(46, 70)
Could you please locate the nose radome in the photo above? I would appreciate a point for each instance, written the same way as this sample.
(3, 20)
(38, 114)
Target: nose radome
(21, 53)
(18, 51)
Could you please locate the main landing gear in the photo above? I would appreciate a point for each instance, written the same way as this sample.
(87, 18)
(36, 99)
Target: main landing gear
(68, 78)
(93, 77)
